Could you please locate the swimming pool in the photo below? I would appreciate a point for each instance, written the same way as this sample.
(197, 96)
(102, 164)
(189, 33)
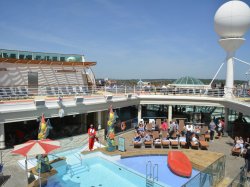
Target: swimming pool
(94, 172)
(98, 171)
(164, 174)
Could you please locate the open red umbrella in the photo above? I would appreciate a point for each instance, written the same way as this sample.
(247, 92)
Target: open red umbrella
(35, 147)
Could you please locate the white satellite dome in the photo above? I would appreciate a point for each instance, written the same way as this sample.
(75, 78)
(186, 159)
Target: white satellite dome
(71, 59)
(232, 19)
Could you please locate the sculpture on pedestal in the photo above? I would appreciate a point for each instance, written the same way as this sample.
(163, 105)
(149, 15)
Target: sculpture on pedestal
(111, 146)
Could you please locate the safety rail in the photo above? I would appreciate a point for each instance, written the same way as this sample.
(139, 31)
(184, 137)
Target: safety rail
(209, 176)
(21, 92)
(241, 179)
(150, 174)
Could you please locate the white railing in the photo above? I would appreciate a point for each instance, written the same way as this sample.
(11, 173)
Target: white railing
(21, 92)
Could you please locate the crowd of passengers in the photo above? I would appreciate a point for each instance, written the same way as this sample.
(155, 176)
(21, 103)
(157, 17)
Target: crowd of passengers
(187, 133)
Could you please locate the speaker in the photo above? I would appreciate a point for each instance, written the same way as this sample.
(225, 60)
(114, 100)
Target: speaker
(109, 97)
(79, 100)
(129, 96)
(39, 103)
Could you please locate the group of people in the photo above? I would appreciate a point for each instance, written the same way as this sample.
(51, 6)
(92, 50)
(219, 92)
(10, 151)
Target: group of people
(216, 128)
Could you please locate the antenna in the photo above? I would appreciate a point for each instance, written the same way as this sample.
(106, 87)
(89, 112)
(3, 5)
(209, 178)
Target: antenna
(232, 21)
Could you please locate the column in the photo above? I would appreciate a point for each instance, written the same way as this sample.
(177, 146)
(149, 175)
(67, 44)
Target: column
(170, 115)
(226, 119)
(228, 89)
(139, 112)
(99, 120)
(2, 136)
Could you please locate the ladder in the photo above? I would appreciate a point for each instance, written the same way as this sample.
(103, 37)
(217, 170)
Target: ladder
(151, 174)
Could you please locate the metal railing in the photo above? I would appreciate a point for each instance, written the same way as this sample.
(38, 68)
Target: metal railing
(241, 179)
(21, 92)
(210, 176)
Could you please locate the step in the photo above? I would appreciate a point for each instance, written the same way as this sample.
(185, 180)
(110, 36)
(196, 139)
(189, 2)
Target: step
(224, 182)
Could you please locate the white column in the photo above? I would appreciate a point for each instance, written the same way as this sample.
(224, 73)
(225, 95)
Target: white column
(170, 114)
(226, 119)
(228, 89)
(2, 136)
(139, 112)
(99, 119)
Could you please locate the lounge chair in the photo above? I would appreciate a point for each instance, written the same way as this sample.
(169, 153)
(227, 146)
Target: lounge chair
(205, 132)
(236, 151)
(183, 143)
(164, 141)
(203, 143)
(156, 138)
(194, 145)
(137, 144)
(174, 143)
(148, 141)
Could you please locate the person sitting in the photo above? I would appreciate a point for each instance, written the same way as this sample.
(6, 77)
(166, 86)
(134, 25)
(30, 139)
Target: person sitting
(197, 130)
(147, 137)
(238, 147)
(247, 143)
(141, 128)
(137, 137)
(195, 139)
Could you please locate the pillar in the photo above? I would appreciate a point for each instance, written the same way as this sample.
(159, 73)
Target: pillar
(99, 120)
(228, 89)
(170, 114)
(139, 112)
(226, 119)
(2, 136)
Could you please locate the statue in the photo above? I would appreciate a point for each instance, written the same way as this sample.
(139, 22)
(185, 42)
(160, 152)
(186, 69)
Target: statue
(111, 146)
(43, 164)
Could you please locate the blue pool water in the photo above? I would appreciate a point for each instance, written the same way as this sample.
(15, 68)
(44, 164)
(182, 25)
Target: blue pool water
(100, 172)
(164, 174)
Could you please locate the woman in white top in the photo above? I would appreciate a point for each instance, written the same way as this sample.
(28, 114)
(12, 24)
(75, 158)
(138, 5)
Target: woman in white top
(194, 139)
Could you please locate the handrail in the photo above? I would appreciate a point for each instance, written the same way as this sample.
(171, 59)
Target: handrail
(155, 177)
(150, 170)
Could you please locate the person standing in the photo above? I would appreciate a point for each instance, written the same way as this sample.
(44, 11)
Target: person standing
(212, 127)
(92, 136)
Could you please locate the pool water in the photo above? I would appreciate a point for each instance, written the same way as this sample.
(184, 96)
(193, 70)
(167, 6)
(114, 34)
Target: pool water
(164, 173)
(94, 172)
(101, 172)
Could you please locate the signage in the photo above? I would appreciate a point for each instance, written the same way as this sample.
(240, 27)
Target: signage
(121, 144)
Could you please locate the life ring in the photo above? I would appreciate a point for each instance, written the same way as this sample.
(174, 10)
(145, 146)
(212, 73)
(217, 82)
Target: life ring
(123, 126)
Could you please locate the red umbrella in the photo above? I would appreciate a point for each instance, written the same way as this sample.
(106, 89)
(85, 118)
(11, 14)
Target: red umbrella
(35, 147)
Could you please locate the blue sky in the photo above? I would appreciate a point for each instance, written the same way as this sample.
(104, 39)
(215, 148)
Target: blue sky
(129, 39)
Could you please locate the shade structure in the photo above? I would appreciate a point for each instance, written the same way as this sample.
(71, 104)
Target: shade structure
(35, 147)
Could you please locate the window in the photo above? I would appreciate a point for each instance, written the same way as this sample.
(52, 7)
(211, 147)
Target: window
(12, 55)
(21, 56)
(54, 58)
(5, 55)
(62, 59)
(29, 57)
(38, 58)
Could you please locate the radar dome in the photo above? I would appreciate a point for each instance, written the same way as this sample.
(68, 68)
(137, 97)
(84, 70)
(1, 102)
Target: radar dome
(71, 59)
(232, 19)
